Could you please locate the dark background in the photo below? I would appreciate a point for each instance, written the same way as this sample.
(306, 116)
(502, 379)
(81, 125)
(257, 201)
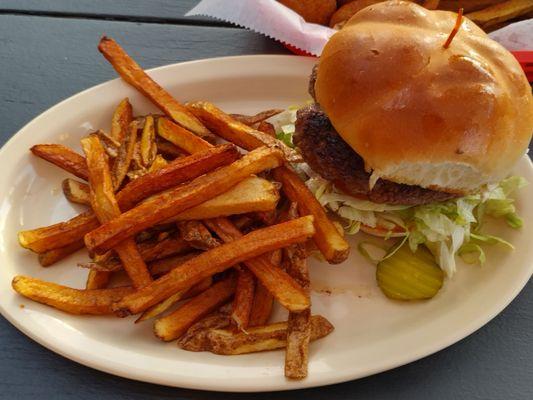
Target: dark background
(48, 53)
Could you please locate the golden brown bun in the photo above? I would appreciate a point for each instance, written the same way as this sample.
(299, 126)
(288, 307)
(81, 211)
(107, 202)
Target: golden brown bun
(447, 119)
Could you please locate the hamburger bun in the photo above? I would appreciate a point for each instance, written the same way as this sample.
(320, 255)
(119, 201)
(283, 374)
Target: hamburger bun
(449, 119)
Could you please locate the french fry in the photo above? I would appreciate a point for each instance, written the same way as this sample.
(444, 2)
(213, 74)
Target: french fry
(50, 257)
(176, 324)
(121, 120)
(150, 251)
(168, 149)
(76, 191)
(58, 235)
(110, 145)
(330, 242)
(244, 298)
(257, 118)
(217, 260)
(106, 208)
(97, 280)
(299, 323)
(160, 308)
(148, 145)
(250, 195)
(260, 338)
(124, 158)
(170, 203)
(278, 282)
(262, 306)
(158, 163)
(73, 301)
(62, 156)
(181, 137)
(267, 128)
(197, 235)
(236, 132)
(162, 266)
(176, 172)
(195, 339)
(495, 14)
(133, 74)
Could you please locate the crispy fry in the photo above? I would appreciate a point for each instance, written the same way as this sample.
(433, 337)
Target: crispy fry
(217, 260)
(98, 279)
(158, 163)
(236, 132)
(76, 191)
(260, 338)
(110, 145)
(176, 324)
(299, 323)
(278, 282)
(168, 149)
(181, 137)
(148, 145)
(176, 172)
(168, 204)
(494, 15)
(150, 251)
(197, 235)
(73, 301)
(267, 128)
(160, 308)
(122, 163)
(244, 298)
(257, 118)
(195, 339)
(164, 265)
(50, 257)
(133, 74)
(121, 120)
(330, 242)
(249, 195)
(106, 208)
(262, 306)
(58, 235)
(327, 238)
(62, 156)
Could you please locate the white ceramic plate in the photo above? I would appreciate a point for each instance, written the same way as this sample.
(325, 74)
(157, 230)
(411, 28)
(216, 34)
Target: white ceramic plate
(372, 333)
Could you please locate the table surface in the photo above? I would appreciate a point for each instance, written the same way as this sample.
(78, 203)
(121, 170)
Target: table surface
(48, 53)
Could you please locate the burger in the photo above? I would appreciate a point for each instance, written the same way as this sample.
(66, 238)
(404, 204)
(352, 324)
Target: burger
(409, 137)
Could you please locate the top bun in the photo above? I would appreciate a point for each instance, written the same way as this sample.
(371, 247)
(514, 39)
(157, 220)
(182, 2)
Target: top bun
(445, 119)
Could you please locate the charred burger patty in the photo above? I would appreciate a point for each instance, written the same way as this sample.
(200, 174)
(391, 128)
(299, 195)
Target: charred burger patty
(331, 157)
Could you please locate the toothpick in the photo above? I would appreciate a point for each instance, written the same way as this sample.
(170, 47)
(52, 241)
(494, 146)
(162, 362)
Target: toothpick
(455, 29)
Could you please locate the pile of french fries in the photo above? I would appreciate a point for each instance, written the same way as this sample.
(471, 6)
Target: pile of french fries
(198, 237)
(488, 14)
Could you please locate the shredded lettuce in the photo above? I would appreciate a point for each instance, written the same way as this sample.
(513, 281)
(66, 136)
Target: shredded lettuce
(448, 228)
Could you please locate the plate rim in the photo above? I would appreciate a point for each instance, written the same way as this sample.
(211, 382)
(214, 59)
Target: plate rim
(136, 374)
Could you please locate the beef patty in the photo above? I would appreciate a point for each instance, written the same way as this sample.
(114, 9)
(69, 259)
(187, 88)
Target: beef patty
(331, 157)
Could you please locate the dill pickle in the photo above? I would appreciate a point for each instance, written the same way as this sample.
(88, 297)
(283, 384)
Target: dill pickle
(409, 276)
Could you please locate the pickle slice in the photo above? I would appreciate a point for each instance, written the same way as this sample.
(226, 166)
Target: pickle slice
(409, 276)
